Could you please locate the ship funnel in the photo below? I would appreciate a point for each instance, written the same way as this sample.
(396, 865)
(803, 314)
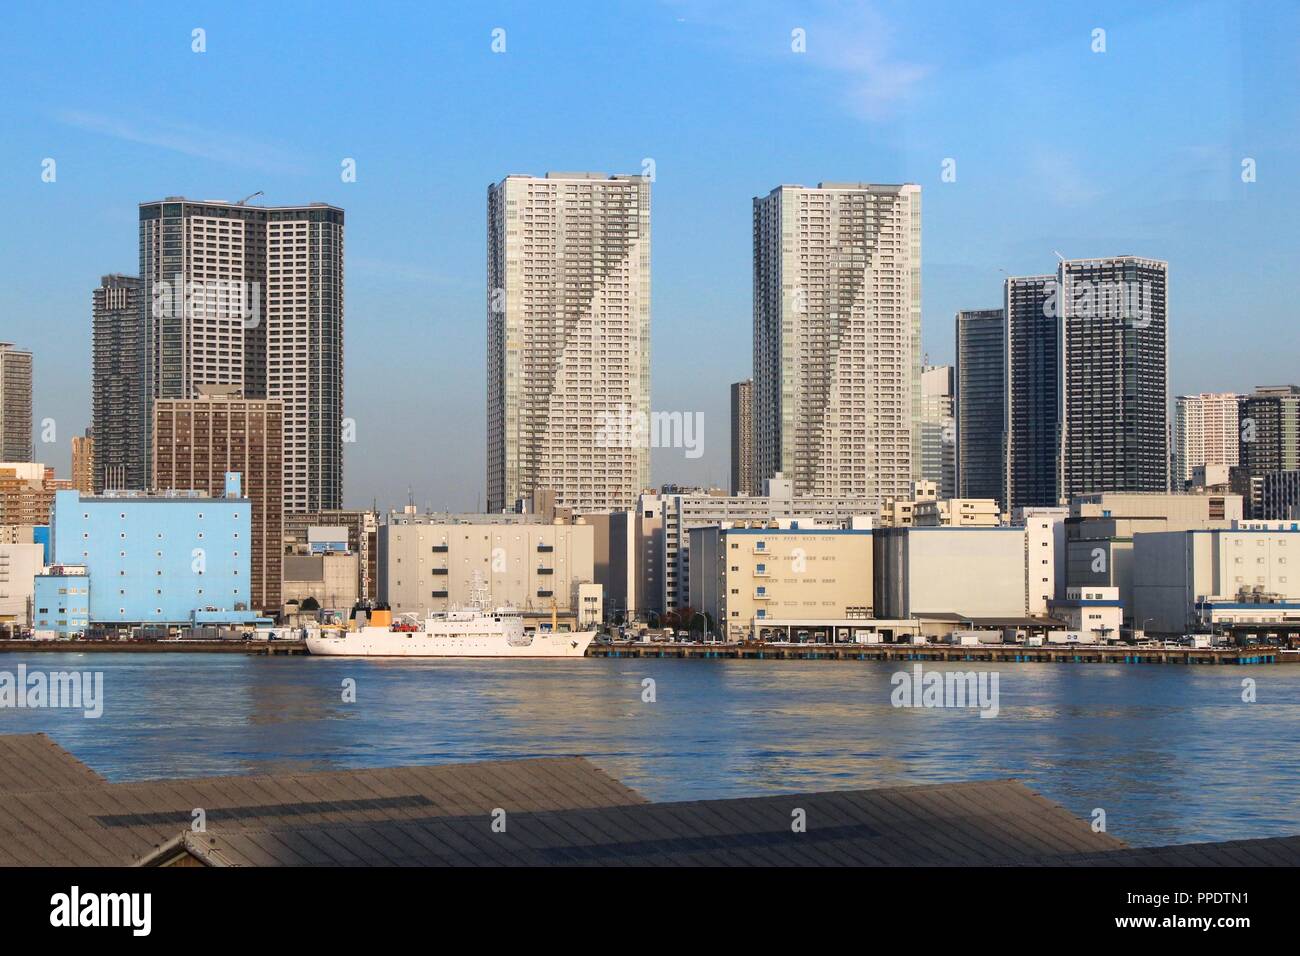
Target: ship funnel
(381, 617)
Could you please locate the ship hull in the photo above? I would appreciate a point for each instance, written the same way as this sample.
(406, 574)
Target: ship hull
(381, 642)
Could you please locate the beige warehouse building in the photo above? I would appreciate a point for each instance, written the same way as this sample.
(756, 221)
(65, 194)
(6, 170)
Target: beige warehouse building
(783, 582)
(429, 563)
(971, 573)
(331, 578)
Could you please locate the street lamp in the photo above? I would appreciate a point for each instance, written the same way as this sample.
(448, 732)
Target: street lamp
(705, 633)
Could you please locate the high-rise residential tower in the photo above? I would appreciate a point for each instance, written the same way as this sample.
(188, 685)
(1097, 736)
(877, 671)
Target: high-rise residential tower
(568, 343)
(83, 462)
(837, 338)
(119, 385)
(1269, 428)
(1032, 428)
(198, 441)
(1205, 433)
(938, 429)
(980, 404)
(15, 403)
(1087, 381)
(743, 480)
(1115, 386)
(252, 297)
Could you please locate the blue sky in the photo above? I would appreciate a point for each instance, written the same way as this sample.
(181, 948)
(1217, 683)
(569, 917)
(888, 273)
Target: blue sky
(1058, 148)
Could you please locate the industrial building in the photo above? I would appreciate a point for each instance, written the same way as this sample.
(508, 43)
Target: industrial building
(312, 532)
(1090, 615)
(1102, 528)
(970, 574)
(432, 562)
(680, 511)
(783, 582)
(19, 565)
(330, 578)
(61, 601)
(157, 559)
(1222, 579)
(1045, 578)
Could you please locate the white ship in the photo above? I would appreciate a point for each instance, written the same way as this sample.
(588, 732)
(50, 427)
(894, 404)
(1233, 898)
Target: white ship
(468, 632)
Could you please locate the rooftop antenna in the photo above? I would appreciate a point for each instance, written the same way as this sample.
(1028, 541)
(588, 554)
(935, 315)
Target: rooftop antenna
(247, 198)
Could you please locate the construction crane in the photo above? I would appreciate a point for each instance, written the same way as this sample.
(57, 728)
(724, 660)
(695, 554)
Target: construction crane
(247, 198)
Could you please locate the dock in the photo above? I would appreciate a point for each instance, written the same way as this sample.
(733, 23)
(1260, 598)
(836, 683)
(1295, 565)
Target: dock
(752, 651)
(951, 653)
(257, 648)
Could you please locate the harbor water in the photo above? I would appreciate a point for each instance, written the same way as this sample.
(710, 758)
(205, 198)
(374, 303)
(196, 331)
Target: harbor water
(1170, 753)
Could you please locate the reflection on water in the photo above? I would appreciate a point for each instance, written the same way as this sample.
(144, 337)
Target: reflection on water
(1171, 753)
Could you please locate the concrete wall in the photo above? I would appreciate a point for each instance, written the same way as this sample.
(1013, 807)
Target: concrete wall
(614, 559)
(429, 567)
(975, 572)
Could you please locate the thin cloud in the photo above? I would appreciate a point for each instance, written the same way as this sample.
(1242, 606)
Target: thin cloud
(852, 45)
(218, 146)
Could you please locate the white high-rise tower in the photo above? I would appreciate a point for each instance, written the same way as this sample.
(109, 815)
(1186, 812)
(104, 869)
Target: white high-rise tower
(568, 359)
(837, 338)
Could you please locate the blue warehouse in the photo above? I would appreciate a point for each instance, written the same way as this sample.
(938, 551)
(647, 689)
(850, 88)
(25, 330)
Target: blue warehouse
(157, 558)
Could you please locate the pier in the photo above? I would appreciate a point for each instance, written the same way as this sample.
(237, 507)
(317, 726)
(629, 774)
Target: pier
(752, 651)
(952, 653)
(258, 648)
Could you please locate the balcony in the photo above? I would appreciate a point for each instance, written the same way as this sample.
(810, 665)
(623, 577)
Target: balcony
(761, 571)
(760, 594)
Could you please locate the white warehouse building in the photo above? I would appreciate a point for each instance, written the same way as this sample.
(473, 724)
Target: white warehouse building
(1203, 580)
